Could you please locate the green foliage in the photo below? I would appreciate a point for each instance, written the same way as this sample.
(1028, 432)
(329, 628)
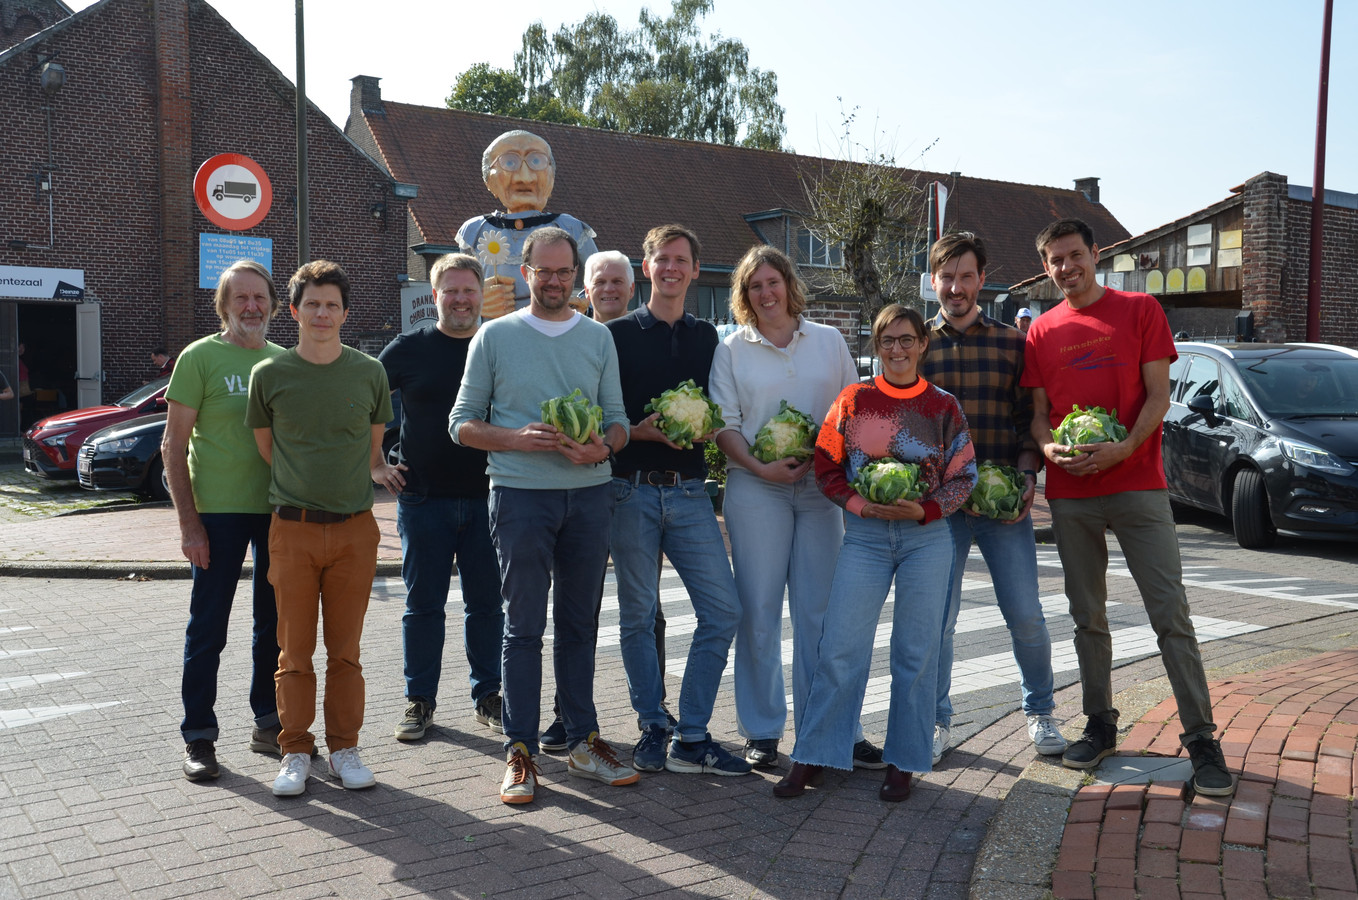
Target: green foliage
(999, 491)
(790, 433)
(501, 92)
(888, 480)
(716, 462)
(686, 413)
(574, 416)
(1094, 425)
(663, 78)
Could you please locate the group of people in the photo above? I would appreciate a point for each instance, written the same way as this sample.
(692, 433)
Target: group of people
(284, 447)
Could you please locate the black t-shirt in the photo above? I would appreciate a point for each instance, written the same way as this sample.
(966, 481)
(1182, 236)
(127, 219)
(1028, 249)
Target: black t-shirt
(653, 357)
(426, 366)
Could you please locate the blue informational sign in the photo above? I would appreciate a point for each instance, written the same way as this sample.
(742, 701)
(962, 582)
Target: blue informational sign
(216, 253)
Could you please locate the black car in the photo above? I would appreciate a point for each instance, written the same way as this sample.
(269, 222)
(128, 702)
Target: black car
(1267, 435)
(125, 457)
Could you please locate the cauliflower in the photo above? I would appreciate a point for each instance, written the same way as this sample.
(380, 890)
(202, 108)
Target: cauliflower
(686, 414)
(790, 433)
(574, 416)
(888, 480)
(998, 492)
(1094, 425)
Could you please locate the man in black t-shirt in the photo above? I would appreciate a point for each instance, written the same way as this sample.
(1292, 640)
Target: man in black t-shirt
(441, 514)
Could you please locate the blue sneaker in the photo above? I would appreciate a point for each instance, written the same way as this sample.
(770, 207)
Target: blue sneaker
(649, 753)
(704, 756)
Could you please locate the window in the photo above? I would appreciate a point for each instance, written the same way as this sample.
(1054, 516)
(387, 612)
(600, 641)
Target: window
(1176, 374)
(714, 303)
(816, 252)
(1203, 380)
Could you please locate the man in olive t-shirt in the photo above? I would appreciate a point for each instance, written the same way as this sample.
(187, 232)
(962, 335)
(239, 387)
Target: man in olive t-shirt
(318, 412)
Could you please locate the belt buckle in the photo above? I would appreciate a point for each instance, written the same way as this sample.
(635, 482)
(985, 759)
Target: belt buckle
(668, 478)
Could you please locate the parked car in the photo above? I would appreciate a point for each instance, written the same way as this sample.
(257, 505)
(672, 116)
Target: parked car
(51, 445)
(125, 457)
(1266, 435)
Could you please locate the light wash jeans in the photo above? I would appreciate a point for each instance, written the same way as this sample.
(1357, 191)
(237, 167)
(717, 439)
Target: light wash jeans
(783, 537)
(678, 520)
(550, 541)
(435, 530)
(919, 560)
(1010, 554)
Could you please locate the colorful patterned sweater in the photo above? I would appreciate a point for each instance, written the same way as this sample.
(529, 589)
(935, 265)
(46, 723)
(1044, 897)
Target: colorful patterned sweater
(920, 424)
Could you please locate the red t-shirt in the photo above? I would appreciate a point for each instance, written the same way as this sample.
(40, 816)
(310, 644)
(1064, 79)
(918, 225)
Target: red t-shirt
(1093, 357)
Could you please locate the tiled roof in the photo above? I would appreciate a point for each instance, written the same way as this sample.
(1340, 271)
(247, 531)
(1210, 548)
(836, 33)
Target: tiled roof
(623, 184)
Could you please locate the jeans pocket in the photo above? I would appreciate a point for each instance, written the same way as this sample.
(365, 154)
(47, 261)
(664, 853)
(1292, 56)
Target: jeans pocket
(623, 488)
(411, 498)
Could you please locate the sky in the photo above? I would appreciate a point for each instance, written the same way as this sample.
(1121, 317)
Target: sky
(1171, 103)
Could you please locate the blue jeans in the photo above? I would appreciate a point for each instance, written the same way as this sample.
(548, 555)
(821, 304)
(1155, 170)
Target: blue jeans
(229, 536)
(1010, 554)
(679, 521)
(876, 553)
(433, 530)
(783, 537)
(550, 541)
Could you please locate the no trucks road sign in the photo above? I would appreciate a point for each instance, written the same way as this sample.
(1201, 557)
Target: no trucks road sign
(233, 191)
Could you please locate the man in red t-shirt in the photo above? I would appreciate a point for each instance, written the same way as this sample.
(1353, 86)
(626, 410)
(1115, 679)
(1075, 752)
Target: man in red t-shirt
(1113, 349)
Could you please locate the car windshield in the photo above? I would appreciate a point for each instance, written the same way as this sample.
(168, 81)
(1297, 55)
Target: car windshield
(1290, 386)
(143, 393)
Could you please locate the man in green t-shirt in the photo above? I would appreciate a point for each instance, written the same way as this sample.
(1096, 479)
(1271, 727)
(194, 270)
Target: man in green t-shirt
(220, 488)
(318, 412)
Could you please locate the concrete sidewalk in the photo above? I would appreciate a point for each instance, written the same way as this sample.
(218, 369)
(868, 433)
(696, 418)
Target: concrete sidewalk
(991, 821)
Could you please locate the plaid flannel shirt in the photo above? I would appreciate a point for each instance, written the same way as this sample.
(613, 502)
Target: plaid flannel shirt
(981, 367)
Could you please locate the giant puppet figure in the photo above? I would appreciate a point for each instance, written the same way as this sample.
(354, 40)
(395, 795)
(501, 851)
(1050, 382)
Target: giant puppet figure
(519, 170)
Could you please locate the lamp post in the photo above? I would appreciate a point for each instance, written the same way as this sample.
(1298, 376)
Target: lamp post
(1318, 188)
(303, 200)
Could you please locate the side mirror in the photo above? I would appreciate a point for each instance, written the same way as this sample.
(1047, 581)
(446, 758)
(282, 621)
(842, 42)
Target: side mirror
(1202, 405)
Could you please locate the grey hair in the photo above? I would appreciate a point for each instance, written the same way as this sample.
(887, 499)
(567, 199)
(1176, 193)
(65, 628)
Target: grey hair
(487, 159)
(602, 258)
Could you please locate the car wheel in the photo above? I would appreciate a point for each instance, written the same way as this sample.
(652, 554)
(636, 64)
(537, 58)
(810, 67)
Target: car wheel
(156, 482)
(1249, 511)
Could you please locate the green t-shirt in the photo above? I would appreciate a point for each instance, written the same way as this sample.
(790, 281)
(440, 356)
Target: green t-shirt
(227, 473)
(322, 418)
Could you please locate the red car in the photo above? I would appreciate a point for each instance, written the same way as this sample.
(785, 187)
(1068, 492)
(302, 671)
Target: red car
(52, 445)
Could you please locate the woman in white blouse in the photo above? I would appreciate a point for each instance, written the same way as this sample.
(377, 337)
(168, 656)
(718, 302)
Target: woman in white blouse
(785, 534)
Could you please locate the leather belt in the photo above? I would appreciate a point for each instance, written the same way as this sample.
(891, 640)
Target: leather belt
(658, 477)
(314, 516)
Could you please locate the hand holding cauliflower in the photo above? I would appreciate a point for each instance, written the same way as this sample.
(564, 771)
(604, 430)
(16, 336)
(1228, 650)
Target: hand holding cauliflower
(686, 414)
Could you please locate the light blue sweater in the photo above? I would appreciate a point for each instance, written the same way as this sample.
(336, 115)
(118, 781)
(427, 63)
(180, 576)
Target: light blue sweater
(512, 368)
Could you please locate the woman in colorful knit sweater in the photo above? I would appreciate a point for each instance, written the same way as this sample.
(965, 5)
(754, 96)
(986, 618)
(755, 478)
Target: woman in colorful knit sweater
(902, 416)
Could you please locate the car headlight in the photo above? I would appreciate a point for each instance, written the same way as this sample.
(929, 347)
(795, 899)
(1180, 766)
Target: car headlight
(120, 445)
(58, 439)
(1314, 458)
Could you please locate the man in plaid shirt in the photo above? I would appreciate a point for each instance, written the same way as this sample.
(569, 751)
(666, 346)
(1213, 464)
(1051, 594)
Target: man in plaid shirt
(980, 361)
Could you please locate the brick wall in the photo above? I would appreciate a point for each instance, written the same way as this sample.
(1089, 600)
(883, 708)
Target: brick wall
(1264, 254)
(1339, 277)
(126, 225)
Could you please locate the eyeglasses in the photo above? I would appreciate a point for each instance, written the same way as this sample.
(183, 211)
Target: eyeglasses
(886, 342)
(545, 275)
(510, 160)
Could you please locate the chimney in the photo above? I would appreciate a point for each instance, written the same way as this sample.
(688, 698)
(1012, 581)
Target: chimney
(365, 96)
(178, 245)
(1089, 187)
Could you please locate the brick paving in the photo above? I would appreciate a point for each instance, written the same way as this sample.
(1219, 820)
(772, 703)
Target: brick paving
(1291, 732)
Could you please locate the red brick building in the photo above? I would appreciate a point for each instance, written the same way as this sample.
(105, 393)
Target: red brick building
(96, 176)
(1247, 254)
(733, 197)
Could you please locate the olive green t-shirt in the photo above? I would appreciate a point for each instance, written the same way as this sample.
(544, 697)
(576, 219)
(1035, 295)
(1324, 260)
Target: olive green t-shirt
(225, 469)
(321, 417)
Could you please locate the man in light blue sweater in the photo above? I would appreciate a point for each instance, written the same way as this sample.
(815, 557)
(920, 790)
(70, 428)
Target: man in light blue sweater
(551, 503)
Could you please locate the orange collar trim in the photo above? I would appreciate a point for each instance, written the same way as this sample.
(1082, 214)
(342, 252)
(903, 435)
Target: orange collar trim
(909, 393)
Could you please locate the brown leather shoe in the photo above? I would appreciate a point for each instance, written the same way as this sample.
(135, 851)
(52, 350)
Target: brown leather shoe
(896, 786)
(797, 779)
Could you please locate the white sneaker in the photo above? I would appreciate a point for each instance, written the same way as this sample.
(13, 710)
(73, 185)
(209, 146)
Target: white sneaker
(349, 769)
(593, 758)
(1046, 738)
(941, 737)
(291, 780)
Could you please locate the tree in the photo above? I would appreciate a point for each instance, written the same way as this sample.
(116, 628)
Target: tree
(874, 210)
(501, 92)
(662, 78)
